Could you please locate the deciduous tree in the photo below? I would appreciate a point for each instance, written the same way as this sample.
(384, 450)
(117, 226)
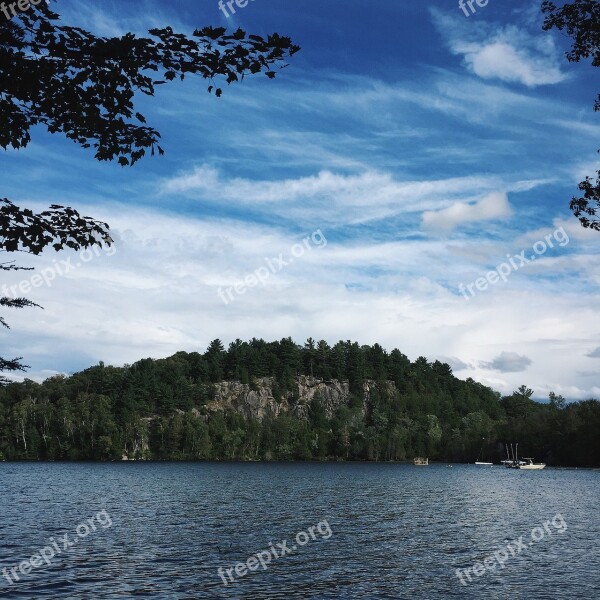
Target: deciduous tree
(84, 86)
(581, 21)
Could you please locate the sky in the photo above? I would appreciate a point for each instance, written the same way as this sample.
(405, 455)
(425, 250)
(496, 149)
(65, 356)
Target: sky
(404, 181)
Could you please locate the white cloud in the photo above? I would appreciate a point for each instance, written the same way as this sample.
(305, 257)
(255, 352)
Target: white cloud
(501, 60)
(492, 206)
(508, 53)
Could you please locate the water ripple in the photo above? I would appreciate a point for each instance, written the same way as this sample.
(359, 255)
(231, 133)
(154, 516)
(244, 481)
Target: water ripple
(398, 531)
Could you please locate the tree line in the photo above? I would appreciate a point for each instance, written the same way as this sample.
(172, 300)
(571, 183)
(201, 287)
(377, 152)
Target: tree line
(163, 410)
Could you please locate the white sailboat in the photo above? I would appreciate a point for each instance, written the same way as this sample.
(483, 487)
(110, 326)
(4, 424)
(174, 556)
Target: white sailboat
(526, 464)
(530, 465)
(481, 462)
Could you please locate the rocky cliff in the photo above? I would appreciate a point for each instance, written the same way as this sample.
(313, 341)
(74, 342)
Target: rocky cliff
(258, 401)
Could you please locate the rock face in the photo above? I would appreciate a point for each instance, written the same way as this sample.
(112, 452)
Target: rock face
(252, 403)
(257, 401)
(332, 394)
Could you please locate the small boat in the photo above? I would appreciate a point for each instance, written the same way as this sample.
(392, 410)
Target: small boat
(482, 462)
(421, 462)
(530, 465)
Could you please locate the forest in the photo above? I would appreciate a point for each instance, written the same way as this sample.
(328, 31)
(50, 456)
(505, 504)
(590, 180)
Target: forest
(164, 410)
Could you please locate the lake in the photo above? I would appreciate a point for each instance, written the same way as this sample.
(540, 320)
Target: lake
(296, 530)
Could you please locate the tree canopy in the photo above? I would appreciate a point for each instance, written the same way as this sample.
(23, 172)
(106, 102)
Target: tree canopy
(387, 408)
(580, 20)
(84, 86)
(22, 230)
(587, 207)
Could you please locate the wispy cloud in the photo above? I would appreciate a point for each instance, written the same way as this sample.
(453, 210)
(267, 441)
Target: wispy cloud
(333, 197)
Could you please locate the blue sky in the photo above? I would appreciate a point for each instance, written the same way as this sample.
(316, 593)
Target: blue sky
(420, 148)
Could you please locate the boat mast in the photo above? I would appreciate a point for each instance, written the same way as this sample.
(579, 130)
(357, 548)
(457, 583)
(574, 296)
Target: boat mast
(479, 456)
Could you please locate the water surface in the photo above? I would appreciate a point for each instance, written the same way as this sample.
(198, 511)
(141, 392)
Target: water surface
(397, 531)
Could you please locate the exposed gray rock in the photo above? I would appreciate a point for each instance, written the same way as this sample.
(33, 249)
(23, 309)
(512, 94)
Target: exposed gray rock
(257, 401)
(240, 397)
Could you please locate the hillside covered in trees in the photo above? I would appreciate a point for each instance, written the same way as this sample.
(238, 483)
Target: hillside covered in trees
(262, 400)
